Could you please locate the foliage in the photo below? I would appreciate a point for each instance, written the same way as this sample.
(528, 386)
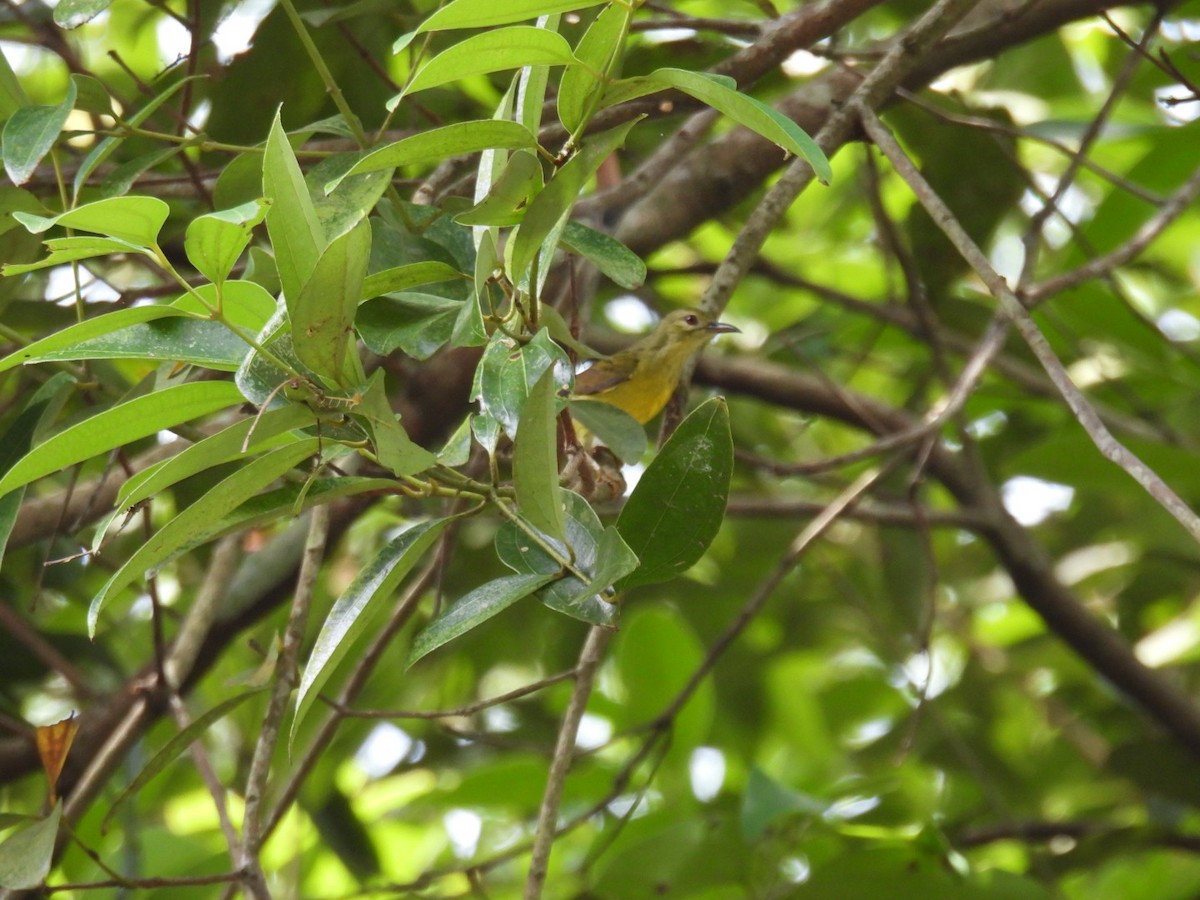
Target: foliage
(291, 480)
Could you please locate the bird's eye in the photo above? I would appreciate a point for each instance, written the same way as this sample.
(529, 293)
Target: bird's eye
(691, 320)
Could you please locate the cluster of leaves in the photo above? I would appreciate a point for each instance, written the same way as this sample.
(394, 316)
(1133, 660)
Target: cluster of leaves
(925, 707)
(349, 260)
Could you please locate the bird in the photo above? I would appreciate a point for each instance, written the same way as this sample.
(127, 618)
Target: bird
(641, 379)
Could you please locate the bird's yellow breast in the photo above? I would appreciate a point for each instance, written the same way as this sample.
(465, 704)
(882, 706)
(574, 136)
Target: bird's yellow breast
(643, 398)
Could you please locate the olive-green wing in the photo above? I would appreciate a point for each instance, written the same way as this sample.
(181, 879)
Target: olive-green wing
(604, 375)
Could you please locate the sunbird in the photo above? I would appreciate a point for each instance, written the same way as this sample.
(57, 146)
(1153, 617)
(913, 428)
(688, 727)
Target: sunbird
(642, 378)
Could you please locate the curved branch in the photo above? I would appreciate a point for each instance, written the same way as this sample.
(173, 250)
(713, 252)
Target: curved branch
(1022, 557)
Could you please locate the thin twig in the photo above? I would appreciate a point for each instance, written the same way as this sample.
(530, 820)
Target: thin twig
(545, 832)
(460, 712)
(1112, 449)
(284, 680)
(1175, 205)
(876, 87)
(407, 606)
(184, 650)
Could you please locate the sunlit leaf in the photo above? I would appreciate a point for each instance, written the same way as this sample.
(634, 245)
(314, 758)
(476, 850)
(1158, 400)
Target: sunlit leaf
(201, 520)
(449, 140)
(296, 233)
(581, 86)
(136, 220)
(214, 242)
(121, 424)
(721, 93)
(493, 51)
(482, 13)
(406, 277)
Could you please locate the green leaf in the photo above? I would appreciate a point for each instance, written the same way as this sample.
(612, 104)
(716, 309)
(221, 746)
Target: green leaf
(614, 259)
(119, 181)
(181, 332)
(483, 13)
(174, 748)
(72, 13)
(70, 249)
(720, 93)
(91, 95)
(12, 95)
(549, 208)
(442, 143)
(457, 449)
(469, 329)
(264, 432)
(243, 304)
(134, 219)
(503, 205)
(493, 51)
(597, 552)
(202, 520)
(402, 278)
(215, 241)
(619, 431)
(322, 314)
(29, 134)
(766, 800)
(358, 606)
(183, 339)
(296, 233)
(598, 52)
(679, 503)
(16, 440)
(258, 377)
(532, 82)
(508, 371)
(25, 856)
(63, 344)
(418, 324)
(393, 447)
(474, 609)
(352, 201)
(535, 459)
(283, 504)
(121, 424)
(553, 321)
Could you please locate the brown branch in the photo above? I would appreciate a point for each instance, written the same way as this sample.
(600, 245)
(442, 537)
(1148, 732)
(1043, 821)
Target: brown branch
(1012, 308)
(1024, 559)
(546, 829)
(721, 174)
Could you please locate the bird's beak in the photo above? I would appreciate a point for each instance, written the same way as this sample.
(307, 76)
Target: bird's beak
(722, 328)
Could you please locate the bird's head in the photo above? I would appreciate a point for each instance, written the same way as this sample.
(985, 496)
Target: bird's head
(685, 331)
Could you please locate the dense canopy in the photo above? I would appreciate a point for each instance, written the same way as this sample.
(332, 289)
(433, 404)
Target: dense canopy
(302, 526)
